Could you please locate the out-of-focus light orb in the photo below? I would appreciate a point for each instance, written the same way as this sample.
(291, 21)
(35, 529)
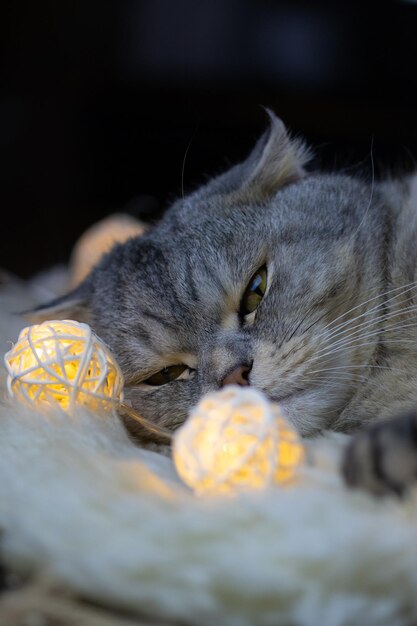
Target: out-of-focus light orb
(62, 363)
(98, 240)
(234, 440)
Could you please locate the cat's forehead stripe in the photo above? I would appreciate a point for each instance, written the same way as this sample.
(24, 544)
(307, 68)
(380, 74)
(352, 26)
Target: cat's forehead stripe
(142, 333)
(213, 275)
(192, 285)
(163, 321)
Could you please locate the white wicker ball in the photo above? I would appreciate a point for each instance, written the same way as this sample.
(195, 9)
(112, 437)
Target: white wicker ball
(236, 439)
(62, 363)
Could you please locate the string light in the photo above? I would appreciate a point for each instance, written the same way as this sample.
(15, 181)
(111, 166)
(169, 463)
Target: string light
(235, 439)
(62, 363)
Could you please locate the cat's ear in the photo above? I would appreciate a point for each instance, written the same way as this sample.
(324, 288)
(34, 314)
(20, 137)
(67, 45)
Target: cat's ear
(276, 160)
(72, 306)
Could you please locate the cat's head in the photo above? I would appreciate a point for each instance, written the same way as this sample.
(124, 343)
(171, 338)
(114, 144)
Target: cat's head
(244, 281)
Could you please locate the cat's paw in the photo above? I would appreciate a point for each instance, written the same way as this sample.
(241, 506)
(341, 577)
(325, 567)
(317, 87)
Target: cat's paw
(382, 457)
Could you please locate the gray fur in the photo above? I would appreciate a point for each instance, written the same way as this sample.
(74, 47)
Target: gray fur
(330, 242)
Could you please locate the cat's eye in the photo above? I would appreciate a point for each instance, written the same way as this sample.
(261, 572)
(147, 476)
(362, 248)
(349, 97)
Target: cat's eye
(254, 292)
(166, 375)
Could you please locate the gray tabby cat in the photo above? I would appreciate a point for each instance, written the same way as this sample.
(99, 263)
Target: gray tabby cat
(302, 285)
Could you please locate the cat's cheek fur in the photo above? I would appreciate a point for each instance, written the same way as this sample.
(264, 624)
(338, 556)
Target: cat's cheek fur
(310, 412)
(286, 374)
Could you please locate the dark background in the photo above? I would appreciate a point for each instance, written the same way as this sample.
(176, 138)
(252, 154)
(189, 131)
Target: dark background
(100, 99)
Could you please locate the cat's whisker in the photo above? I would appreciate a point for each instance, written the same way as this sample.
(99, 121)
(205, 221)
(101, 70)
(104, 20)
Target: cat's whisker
(359, 333)
(356, 340)
(329, 382)
(411, 308)
(380, 317)
(386, 323)
(338, 305)
(184, 160)
(372, 191)
(363, 366)
(323, 381)
(335, 330)
(403, 290)
(336, 370)
(343, 375)
(293, 329)
(337, 379)
(367, 343)
(360, 336)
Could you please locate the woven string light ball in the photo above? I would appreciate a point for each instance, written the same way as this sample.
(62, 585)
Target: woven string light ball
(235, 439)
(62, 363)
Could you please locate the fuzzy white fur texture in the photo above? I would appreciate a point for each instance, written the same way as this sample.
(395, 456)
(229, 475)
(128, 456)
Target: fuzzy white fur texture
(79, 501)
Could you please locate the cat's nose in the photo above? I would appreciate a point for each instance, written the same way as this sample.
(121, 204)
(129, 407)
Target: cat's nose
(239, 376)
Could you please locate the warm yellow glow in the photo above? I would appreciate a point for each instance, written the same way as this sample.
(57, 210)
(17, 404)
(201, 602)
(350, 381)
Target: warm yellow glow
(63, 363)
(236, 439)
(99, 239)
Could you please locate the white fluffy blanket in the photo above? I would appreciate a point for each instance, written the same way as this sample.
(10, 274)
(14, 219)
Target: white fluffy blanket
(81, 502)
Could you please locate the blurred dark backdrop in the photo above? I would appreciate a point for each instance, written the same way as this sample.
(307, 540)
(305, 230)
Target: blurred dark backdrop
(99, 101)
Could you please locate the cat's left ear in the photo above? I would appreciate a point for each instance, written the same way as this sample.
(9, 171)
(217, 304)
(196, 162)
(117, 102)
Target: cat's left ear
(276, 161)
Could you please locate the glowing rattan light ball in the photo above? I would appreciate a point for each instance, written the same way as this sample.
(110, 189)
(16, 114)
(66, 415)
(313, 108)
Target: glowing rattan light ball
(235, 439)
(62, 363)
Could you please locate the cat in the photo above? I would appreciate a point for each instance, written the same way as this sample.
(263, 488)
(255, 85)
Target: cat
(302, 284)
